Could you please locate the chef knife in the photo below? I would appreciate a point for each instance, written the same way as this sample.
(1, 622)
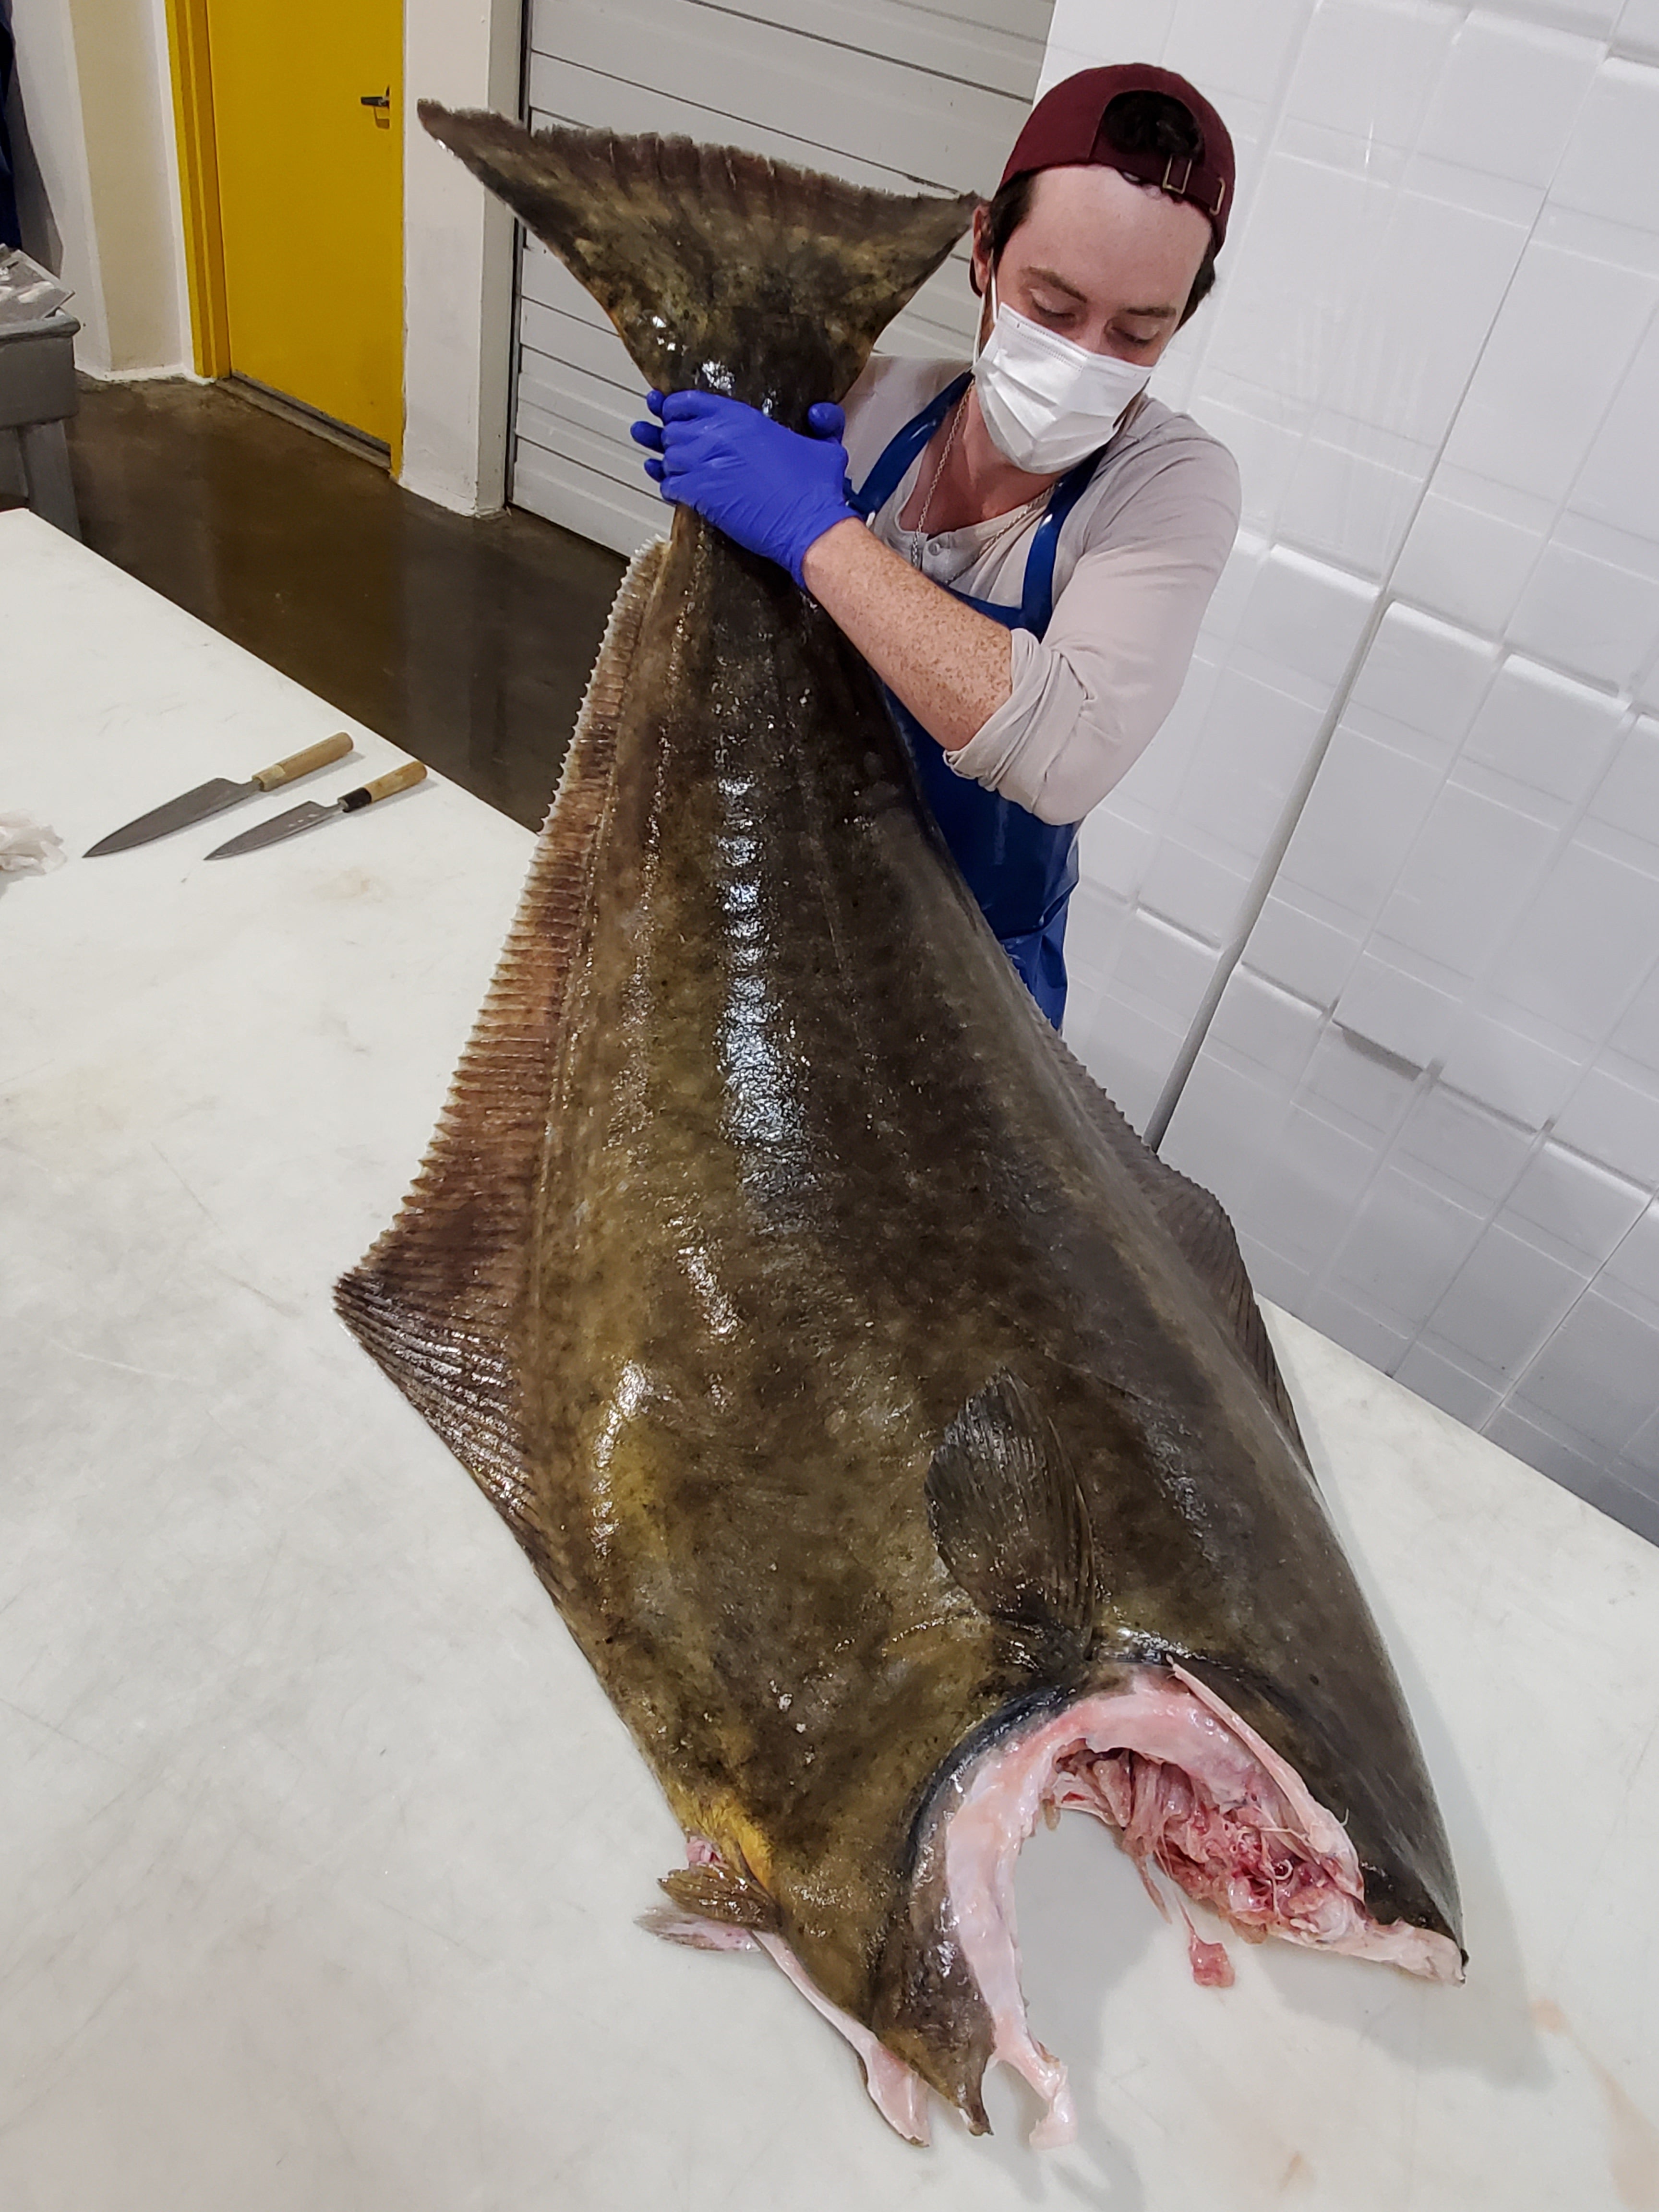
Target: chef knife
(308, 816)
(210, 798)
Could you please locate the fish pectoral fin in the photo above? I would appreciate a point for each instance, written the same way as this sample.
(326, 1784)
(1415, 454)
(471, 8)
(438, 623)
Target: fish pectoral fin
(438, 1300)
(718, 1892)
(1007, 1515)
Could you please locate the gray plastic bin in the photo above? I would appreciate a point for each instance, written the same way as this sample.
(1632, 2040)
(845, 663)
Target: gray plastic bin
(37, 394)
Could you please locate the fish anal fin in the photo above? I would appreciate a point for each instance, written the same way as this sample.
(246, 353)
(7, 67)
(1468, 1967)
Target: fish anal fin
(718, 1893)
(437, 1301)
(1007, 1515)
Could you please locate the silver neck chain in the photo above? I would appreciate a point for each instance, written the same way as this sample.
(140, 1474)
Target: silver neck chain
(1017, 515)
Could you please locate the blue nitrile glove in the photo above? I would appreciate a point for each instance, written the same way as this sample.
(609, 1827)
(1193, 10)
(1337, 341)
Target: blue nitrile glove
(771, 489)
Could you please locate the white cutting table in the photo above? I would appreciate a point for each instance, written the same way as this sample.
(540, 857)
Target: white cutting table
(321, 1849)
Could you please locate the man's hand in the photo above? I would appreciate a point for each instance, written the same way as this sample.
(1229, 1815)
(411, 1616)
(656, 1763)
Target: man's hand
(773, 490)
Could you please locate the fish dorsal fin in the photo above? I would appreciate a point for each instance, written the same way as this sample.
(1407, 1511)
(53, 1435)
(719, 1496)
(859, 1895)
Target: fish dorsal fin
(1197, 1224)
(438, 1299)
(722, 271)
(1007, 1515)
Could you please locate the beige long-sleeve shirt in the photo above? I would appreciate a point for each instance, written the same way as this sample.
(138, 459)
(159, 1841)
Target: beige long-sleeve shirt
(1138, 558)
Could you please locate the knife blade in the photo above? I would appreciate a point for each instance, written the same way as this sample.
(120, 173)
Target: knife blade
(212, 798)
(308, 816)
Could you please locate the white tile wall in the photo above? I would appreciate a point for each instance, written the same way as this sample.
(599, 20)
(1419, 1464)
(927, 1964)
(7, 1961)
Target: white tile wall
(1408, 806)
(1545, 730)
(1559, 349)
(1461, 1147)
(1511, 1295)
(1407, 1242)
(1594, 1376)
(1466, 879)
(1618, 1122)
(1628, 797)
(1507, 99)
(1509, 1069)
(1409, 1015)
(1426, 678)
(1472, 547)
(1595, 16)
(1611, 167)
(1638, 1035)
(1590, 605)
(1305, 943)
(1638, 30)
(1576, 1201)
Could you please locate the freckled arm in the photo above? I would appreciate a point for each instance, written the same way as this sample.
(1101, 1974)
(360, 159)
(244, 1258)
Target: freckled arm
(952, 667)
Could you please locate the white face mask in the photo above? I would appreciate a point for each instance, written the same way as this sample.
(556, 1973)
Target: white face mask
(1046, 401)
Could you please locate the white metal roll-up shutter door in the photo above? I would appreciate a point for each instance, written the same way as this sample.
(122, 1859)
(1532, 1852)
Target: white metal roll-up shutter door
(878, 91)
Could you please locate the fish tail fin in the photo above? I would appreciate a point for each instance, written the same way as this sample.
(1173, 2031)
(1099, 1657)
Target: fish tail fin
(439, 1300)
(722, 271)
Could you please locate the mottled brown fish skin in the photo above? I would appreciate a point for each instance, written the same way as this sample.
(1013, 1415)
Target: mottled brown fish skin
(763, 1168)
(829, 1175)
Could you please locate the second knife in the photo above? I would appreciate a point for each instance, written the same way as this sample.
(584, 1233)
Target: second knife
(311, 813)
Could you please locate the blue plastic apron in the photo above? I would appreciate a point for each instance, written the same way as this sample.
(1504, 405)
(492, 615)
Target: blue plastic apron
(1022, 870)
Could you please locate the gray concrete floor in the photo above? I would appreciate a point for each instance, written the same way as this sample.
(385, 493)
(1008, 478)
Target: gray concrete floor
(468, 642)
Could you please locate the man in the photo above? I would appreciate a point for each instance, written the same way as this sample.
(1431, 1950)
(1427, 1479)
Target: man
(1032, 541)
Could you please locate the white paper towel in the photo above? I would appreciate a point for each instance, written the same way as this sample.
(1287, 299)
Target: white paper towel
(28, 847)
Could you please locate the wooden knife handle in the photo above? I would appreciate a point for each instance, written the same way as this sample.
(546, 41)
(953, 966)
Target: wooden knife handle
(299, 764)
(397, 778)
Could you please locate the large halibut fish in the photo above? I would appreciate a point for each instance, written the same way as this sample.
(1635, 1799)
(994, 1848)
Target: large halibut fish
(897, 1436)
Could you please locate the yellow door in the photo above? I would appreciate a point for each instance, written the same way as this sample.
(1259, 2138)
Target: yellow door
(310, 200)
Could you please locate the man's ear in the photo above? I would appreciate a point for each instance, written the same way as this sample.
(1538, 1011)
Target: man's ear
(981, 252)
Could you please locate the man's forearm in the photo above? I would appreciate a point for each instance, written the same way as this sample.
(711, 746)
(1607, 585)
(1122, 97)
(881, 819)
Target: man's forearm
(951, 666)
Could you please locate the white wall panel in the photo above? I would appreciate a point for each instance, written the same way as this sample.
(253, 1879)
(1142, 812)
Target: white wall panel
(1591, 603)
(1586, 944)
(1394, 1006)
(1546, 731)
(1613, 1119)
(1558, 353)
(1244, 48)
(1620, 482)
(1594, 17)
(1373, 781)
(1576, 1201)
(1508, 98)
(1509, 1298)
(1463, 1148)
(1638, 30)
(1512, 1068)
(1611, 166)
(1472, 549)
(1411, 795)
(1382, 58)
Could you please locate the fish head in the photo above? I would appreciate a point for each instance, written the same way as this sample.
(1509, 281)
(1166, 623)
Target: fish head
(1322, 1715)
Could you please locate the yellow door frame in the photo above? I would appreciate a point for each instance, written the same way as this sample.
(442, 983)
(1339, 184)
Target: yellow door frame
(198, 184)
(198, 191)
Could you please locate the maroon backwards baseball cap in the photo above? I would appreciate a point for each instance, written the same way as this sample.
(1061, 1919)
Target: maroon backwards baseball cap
(1067, 129)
